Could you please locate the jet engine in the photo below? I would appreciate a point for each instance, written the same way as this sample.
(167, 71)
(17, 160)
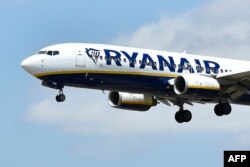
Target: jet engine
(196, 85)
(130, 101)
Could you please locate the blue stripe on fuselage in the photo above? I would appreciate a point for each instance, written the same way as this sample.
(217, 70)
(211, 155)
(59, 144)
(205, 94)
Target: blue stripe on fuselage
(123, 82)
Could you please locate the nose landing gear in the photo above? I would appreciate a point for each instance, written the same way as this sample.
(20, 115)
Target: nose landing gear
(56, 85)
(60, 97)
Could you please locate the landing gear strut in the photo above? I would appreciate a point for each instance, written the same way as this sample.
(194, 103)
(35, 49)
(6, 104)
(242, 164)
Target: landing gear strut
(60, 97)
(222, 109)
(182, 116)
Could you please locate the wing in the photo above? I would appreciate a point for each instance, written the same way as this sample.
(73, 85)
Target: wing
(233, 86)
(236, 84)
(232, 78)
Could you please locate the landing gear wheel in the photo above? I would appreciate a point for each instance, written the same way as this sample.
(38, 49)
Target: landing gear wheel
(218, 110)
(187, 115)
(222, 109)
(61, 97)
(57, 98)
(178, 117)
(226, 108)
(183, 116)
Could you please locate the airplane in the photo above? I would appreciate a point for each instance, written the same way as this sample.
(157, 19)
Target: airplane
(139, 79)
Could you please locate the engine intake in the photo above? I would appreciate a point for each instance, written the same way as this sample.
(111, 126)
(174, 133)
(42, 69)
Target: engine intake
(129, 101)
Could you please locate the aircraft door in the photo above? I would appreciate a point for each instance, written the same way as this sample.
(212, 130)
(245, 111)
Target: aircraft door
(80, 58)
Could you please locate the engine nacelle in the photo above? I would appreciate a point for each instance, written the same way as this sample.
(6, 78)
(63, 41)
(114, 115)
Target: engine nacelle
(130, 101)
(196, 85)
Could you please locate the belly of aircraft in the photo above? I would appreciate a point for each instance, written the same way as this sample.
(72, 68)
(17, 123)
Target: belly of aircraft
(155, 85)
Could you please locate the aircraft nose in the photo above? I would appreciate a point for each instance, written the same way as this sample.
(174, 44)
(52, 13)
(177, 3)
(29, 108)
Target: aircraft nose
(25, 63)
(31, 64)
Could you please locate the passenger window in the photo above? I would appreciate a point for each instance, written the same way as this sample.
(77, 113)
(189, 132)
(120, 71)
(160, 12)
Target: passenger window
(50, 53)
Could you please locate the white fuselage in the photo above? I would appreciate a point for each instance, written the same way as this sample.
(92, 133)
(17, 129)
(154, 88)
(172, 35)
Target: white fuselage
(108, 67)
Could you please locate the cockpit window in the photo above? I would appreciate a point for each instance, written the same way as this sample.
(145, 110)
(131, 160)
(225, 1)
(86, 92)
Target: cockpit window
(50, 53)
(42, 52)
(55, 53)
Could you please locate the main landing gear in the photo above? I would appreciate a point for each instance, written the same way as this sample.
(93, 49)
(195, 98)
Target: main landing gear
(222, 109)
(60, 97)
(182, 116)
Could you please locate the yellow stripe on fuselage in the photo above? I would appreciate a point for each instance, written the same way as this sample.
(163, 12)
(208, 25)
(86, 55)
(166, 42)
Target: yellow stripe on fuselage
(106, 72)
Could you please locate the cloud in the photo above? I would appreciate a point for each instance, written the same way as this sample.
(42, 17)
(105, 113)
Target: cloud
(219, 28)
(91, 115)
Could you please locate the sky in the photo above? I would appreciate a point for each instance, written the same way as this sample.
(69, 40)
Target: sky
(84, 131)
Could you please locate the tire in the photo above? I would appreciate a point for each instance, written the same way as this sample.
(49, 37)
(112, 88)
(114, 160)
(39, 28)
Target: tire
(226, 108)
(178, 117)
(62, 97)
(186, 115)
(218, 110)
(58, 99)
